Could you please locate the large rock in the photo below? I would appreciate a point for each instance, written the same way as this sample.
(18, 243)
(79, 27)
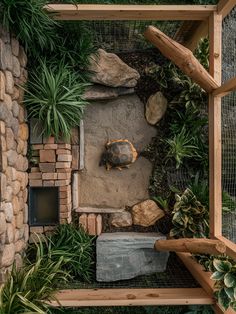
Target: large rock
(100, 92)
(146, 213)
(155, 108)
(123, 219)
(125, 255)
(108, 69)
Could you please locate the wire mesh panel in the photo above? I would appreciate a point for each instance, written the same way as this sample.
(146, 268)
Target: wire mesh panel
(123, 36)
(229, 130)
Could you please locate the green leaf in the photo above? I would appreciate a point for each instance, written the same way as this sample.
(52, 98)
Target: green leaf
(230, 293)
(223, 299)
(230, 280)
(222, 266)
(217, 275)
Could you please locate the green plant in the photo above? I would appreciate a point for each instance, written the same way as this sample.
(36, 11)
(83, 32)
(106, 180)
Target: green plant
(74, 244)
(202, 52)
(54, 97)
(190, 217)
(180, 148)
(223, 271)
(29, 22)
(28, 289)
(164, 203)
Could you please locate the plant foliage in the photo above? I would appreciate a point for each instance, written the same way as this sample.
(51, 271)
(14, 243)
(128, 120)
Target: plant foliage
(190, 217)
(75, 245)
(54, 97)
(29, 22)
(28, 288)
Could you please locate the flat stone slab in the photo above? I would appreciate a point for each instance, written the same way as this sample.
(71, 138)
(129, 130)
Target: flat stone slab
(100, 92)
(120, 118)
(125, 255)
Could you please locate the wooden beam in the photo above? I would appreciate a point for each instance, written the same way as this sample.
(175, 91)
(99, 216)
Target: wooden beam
(194, 246)
(225, 6)
(215, 149)
(130, 12)
(182, 57)
(230, 246)
(202, 277)
(131, 297)
(226, 88)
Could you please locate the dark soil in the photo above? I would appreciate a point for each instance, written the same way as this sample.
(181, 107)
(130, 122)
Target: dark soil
(143, 62)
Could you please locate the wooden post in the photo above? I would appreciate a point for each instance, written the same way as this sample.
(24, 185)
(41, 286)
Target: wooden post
(215, 159)
(195, 246)
(225, 6)
(182, 57)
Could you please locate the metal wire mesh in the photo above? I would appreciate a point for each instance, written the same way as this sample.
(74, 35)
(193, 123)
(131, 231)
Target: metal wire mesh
(123, 36)
(175, 276)
(229, 126)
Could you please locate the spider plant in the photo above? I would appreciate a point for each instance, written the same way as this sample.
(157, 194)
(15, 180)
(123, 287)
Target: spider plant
(74, 244)
(28, 289)
(181, 147)
(29, 22)
(54, 97)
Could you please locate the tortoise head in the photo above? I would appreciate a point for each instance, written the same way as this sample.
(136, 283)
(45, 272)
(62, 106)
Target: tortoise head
(104, 159)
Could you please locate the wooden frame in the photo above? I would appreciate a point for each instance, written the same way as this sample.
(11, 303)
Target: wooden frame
(130, 12)
(212, 17)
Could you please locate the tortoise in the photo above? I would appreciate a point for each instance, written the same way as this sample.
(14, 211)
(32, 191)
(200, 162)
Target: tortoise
(118, 154)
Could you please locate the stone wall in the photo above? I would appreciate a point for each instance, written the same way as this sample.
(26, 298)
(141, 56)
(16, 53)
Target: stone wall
(13, 149)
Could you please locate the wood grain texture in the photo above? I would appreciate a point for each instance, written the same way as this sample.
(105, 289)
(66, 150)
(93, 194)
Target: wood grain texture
(225, 6)
(195, 246)
(215, 147)
(226, 88)
(182, 57)
(130, 12)
(131, 297)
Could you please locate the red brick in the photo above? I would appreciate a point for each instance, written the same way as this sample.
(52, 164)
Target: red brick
(47, 167)
(65, 215)
(98, 224)
(63, 152)
(61, 170)
(62, 182)
(50, 146)
(65, 188)
(65, 208)
(34, 169)
(65, 201)
(35, 182)
(35, 175)
(64, 146)
(49, 176)
(64, 176)
(37, 146)
(65, 194)
(49, 140)
(47, 155)
(83, 222)
(92, 224)
(36, 229)
(63, 164)
(48, 183)
(64, 158)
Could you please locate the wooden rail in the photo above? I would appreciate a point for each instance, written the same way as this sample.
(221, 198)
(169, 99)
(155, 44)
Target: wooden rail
(130, 12)
(225, 6)
(131, 297)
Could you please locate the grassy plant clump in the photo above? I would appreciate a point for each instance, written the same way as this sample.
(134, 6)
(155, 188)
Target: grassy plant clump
(29, 288)
(54, 97)
(30, 23)
(72, 243)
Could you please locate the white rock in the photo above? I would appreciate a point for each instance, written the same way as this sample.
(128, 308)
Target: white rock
(155, 108)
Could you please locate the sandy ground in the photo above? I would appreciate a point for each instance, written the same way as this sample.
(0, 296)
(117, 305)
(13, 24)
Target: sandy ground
(116, 119)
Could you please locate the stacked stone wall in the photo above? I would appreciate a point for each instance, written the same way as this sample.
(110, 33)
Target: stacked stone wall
(14, 230)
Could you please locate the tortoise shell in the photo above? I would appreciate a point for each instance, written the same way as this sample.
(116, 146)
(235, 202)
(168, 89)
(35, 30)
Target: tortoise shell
(120, 153)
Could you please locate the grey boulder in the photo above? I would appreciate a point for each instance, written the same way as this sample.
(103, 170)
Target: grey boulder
(125, 255)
